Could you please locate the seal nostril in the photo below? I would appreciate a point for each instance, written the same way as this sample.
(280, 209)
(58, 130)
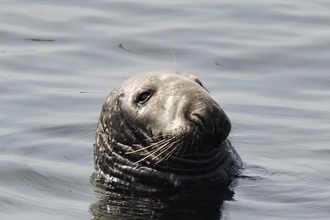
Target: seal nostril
(197, 119)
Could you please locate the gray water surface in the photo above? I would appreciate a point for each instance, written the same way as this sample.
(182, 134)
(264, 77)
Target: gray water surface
(266, 62)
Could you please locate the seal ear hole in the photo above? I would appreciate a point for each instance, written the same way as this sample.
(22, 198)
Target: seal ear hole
(196, 80)
(143, 96)
(199, 82)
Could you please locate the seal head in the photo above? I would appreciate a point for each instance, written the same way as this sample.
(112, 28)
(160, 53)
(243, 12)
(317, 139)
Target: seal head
(163, 129)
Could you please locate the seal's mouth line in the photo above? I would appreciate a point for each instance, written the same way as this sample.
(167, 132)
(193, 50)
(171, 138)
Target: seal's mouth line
(173, 149)
(156, 153)
(188, 160)
(143, 148)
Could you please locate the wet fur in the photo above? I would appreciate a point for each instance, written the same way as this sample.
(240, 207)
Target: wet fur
(130, 156)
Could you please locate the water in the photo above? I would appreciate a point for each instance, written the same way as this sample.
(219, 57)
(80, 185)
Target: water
(265, 62)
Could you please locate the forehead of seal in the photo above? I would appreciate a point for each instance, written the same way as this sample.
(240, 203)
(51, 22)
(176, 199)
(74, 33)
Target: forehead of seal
(161, 80)
(156, 77)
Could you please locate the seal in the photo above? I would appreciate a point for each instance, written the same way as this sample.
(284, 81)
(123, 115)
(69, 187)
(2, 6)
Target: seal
(163, 129)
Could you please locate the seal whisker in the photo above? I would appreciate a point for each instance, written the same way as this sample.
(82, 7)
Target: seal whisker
(179, 150)
(168, 154)
(185, 143)
(165, 148)
(176, 148)
(156, 144)
(172, 152)
(159, 148)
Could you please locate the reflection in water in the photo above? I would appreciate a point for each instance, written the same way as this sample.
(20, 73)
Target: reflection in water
(117, 203)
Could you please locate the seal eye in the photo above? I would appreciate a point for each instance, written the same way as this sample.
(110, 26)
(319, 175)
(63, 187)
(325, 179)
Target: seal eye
(143, 97)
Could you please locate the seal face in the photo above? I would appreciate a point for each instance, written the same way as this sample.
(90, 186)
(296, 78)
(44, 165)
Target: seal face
(163, 129)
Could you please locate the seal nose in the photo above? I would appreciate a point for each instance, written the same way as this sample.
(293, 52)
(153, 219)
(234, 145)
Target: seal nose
(212, 120)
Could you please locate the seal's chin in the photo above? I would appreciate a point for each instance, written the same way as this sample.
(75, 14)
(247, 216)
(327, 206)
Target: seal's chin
(127, 166)
(207, 141)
